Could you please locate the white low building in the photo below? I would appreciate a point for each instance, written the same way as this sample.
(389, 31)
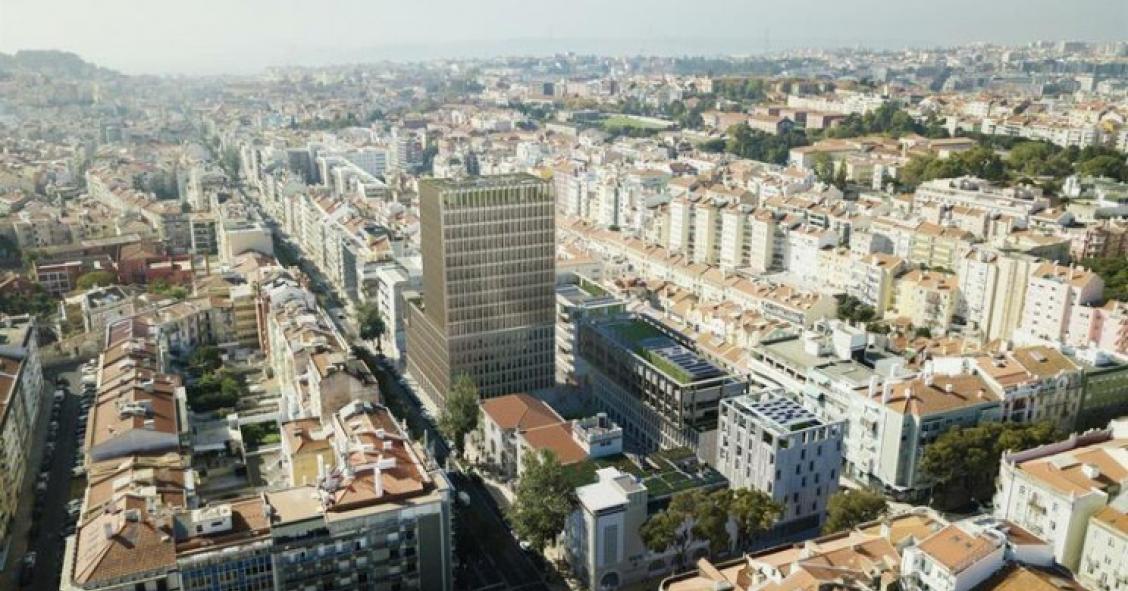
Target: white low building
(1054, 490)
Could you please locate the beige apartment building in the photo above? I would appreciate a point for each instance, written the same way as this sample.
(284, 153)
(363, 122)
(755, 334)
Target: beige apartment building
(488, 303)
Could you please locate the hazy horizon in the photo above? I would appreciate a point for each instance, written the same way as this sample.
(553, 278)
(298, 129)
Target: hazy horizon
(244, 36)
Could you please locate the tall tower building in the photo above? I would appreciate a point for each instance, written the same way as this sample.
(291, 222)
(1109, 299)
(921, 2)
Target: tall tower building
(488, 300)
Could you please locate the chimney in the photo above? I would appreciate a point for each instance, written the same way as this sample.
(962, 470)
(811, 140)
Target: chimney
(108, 530)
(948, 388)
(378, 481)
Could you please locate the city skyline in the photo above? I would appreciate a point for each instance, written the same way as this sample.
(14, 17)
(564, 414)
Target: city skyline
(217, 38)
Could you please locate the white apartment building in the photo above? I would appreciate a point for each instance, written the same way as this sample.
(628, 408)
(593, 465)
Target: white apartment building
(772, 444)
(1053, 294)
(706, 232)
(993, 291)
(872, 279)
(981, 194)
(1102, 566)
(392, 280)
(1053, 491)
(803, 246)
(1036, 384)
(681, 226)
(953, 559)
(734, 247)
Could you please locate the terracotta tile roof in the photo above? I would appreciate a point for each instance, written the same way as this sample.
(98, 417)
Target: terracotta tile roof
(1066, 471)
(1017, 577)
(1114, 519)
(301, 434)
(122, 541)
(519, 411)
(956, 549)
(558, 439)
(944, 394)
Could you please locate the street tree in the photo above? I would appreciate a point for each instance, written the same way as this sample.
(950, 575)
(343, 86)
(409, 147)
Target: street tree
(962, 463)
(460, 414)
(371, 323)
(754, 513)
(850, 507)
(544, 499)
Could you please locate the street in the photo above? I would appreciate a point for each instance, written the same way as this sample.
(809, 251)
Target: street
(490, 557)
(42, 517)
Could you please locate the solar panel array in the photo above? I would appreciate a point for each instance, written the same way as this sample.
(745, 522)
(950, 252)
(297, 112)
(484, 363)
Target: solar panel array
(690, 362)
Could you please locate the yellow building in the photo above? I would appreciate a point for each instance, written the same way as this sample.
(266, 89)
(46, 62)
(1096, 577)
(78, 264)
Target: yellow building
(938, 246)
(926, 299)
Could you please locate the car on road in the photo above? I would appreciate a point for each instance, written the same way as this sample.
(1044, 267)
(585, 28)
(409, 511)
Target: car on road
(27, 569)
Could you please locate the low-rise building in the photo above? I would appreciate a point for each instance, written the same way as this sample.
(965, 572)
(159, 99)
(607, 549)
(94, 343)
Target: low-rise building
(1102, 566)
(602, 540)
(1054, 490)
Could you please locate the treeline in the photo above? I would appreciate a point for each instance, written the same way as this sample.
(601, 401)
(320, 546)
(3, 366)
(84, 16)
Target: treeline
(746, 142)
(979, 162)
(1114, 272)
(1025, 162)
(888, 119)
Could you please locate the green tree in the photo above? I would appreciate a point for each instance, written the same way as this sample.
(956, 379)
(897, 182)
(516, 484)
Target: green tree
(671, 528)
(745, 142)
(93, 279)
(37, 303)
(823, 166)
(1107, 166)
(754, 512)
(666, 530)
(710, 521)
(1114, 272)
(460, 414)
(854, 310)
(848, 508)
(544, 499)
(371, 323)
(206, 359)
(840, 179)
(962, 463)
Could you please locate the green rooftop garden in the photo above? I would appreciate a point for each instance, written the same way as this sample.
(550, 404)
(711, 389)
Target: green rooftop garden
(667, 472)
(634, 332)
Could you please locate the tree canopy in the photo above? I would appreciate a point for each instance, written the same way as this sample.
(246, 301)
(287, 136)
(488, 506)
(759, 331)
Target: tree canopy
(544, 499)
(371, 322)
(888, 119)
(850, 507)
(746, 142)
(1114, 272)
(854, 310)
(95, 279)
(37, 303)
(460, 413)
(978, 161)
(698, 516)
(963, 462)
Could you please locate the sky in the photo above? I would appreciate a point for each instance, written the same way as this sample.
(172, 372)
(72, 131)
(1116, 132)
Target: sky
(244, 36)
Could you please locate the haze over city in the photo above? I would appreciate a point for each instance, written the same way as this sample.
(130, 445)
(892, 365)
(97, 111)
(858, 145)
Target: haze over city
(243, 36)
(505, 295)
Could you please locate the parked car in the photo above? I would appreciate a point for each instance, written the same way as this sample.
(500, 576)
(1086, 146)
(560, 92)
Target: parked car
(27, 569)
